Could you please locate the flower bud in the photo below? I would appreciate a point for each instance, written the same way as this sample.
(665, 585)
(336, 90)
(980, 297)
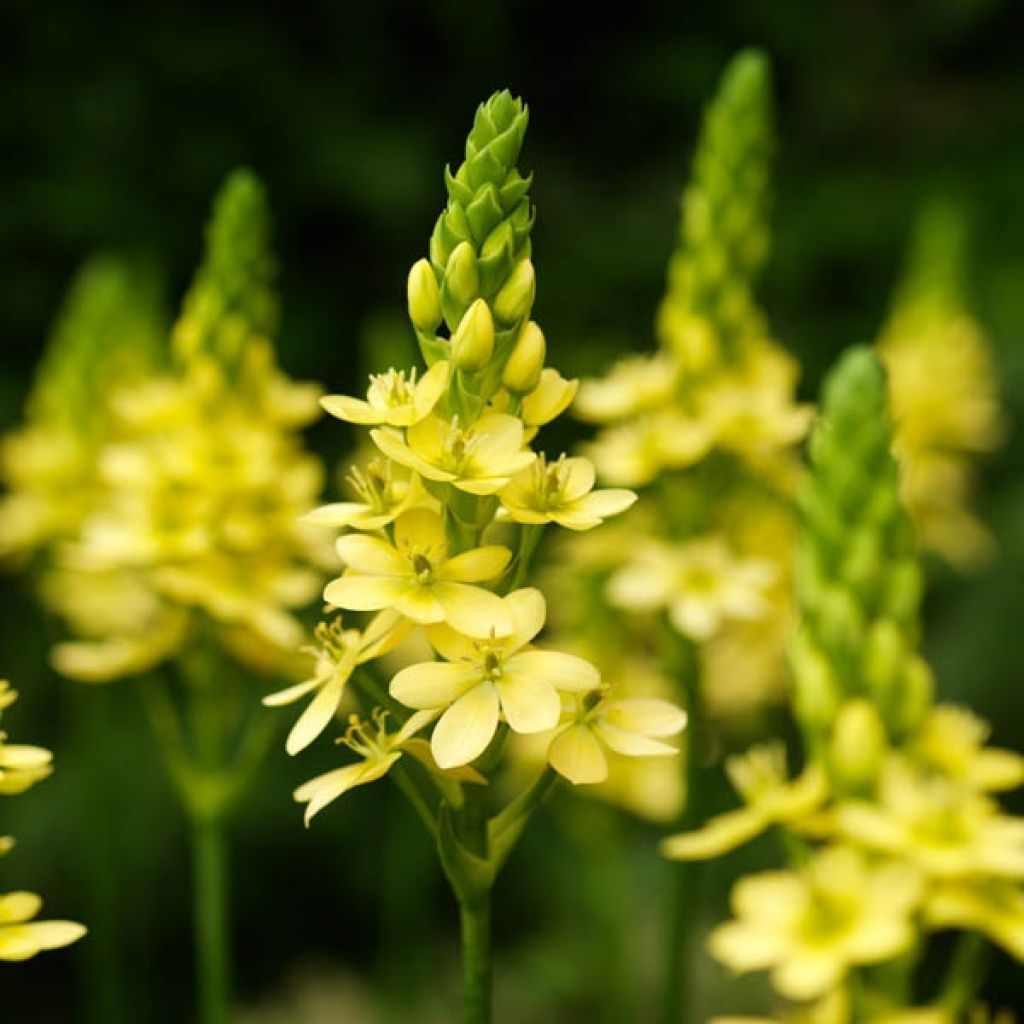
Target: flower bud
(460, 276)
(522, 371)
(858, 744)
(473, 341)
(515, 300)
(816, 689)
(424, 297)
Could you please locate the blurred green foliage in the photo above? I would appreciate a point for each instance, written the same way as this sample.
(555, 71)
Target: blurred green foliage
(118, 125)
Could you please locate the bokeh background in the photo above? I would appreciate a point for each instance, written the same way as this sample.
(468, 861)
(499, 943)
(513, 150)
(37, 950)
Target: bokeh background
(118, 123)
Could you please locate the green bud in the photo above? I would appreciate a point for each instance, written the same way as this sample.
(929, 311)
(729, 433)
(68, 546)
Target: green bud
(424, 297)
(515, 300)
(473, 341)
(885, 653)
(858, 745)
(917, 695)
(816, 689)
(522, 371)
(460, 276)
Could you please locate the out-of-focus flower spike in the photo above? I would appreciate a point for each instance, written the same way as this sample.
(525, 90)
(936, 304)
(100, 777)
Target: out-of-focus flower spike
(858, 577)
(232, 296)
(724, 233)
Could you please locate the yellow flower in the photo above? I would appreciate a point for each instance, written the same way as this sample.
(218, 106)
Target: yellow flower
(485, 679)
(634, 453)
(952, 739)
(337, 654)
(759, 776)
(634, 385)
(384, 496)
(392, 399)
(993, 907)
(21, 766)
(701, 583)
(21, 937)
(549, 399)
(948, 829)
(753, 420)
(416, 577)
(811, 927)
(378, 750)
(562, 492)
(631, 727)
(479, 458)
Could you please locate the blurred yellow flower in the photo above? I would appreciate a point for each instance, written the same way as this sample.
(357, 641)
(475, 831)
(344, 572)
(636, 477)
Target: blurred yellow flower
(700, 582)
(22, 938)
(392, 399)
(760, 777)
(416, 577)
(633, 385)
(21, 766)
(811, 927)
(993, 907)
(562, 492)
(483, 680)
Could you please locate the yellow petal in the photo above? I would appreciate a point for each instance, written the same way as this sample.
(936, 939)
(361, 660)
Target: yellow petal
(529, 611)
(577, 756)
(742, 947)
(564, 672)
(16, 907)
(21, 942)
(291, 693)
(433, 684)
(718, 836)
(419, 531)
(595, 507)
(809, 975)
(451, 644)
(472, 610)
(351, 410)
(336, 515)
(430, 388)
(317, 716)
(475, 566)
(466, 728)
(325, 789)
(371, 555)
(631, 744)
(647, 715)
(359, 593)
(420, 604)
(530, 704)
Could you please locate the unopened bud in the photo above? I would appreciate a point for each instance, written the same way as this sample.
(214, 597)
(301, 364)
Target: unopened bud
(460, 276)
(859, 742)
(917, 695)
(885, 654)
(515, 300)
(424, 297)
(816, 689)
(522, 371)
(473, 341)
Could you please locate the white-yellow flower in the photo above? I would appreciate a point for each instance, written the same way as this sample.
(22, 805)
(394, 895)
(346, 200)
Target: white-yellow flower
(701, 583)
(759, 776)
(392, 399)
(384, 495)
(479, 458)
(633, 385)
(337, 654)
(378, 751)
(562, 492)
(21, 766)
(21, 937)
(416, 577)
(811, 927)
(484, 680)
(632, 727)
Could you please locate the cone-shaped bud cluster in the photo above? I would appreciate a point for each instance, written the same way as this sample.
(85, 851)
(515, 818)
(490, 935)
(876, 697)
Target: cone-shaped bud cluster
(480, 251)
(231, 297)
(724, 229)
(858, 578)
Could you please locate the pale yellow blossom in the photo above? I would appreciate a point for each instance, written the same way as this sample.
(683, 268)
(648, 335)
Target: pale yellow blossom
(392, 398)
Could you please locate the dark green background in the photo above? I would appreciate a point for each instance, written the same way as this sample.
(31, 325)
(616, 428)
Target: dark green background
(118, 122)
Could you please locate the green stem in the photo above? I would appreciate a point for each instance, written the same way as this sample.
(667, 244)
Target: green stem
(677, 1003)
(210, 892)
(475, 919)
(529, 538)
(966, 973)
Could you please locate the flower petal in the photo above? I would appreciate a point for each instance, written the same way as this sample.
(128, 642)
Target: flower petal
(433, 684)
(577, 756)
(351, 410)
(317, 716)
(718, 836)
(564, 672)
(371, 555)
(336, 515)
(429, 389)
(16, 907)
(631, 744)
(359, 593)
(475, 566)
(472, 610)
(530, 704)
(647, 715)
(290, 694)
(466, 728)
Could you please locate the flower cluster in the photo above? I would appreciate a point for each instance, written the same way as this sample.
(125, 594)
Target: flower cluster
(895, 812)
(22, 937)
(446, 518)
(197, 482)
